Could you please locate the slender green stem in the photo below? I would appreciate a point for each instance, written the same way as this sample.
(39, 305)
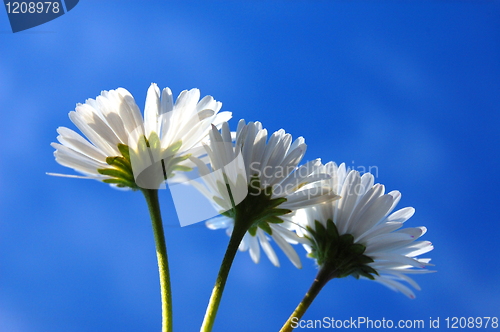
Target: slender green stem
(151, 196)
(232, 249)
(324, 275)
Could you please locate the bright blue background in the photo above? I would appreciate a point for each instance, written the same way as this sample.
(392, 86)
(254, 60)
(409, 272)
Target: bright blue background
(413, 89)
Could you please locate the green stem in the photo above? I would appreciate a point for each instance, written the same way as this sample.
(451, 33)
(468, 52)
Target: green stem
(232, 249)
(324, 275)
(151, 196)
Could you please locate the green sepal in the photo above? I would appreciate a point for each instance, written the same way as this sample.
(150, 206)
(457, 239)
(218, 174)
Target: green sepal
(274, 220)
(223, 188)
(332, 231)
(311, 231)
(346, 240)
(172, 162)
(121, 183)
(120, 163)
(257, 210)
(337, 252)
(320, 229)
(365, 271)
(252, 230)
(124, 150)
(228, 213)
(182, 168)
(122, 174)
(265, 226)
(177, 160)
(154, 141)
(142, 145)
(172, 149)
(116, 173)
(277, 212)
(357, 249)
(219, 201)
(363, 259)
(254, 185)
(277, 201)
(112, 160)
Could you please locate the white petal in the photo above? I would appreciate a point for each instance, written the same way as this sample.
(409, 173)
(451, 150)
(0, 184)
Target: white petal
(348, 201)
(379, 229)
(221, 117)
(76, 142)
(288, 250)
(267, 248)
(90, 116)
(254, 249)
(81, 163)
(219, 222)
(397, 286)
(93, 137)
(307, 198)
(401, 215)
(415, 249)
(245, 243)
(286, 234)
(128, 110)
(152, 110)
(167, 102)
(88, 177)
(371, 216)
(397, 259)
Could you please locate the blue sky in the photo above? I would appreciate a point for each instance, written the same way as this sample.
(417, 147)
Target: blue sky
(411, 89)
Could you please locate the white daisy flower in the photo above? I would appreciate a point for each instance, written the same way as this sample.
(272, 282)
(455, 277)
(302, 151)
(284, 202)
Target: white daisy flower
(120, 145)
(359, 235)
(254, 182)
